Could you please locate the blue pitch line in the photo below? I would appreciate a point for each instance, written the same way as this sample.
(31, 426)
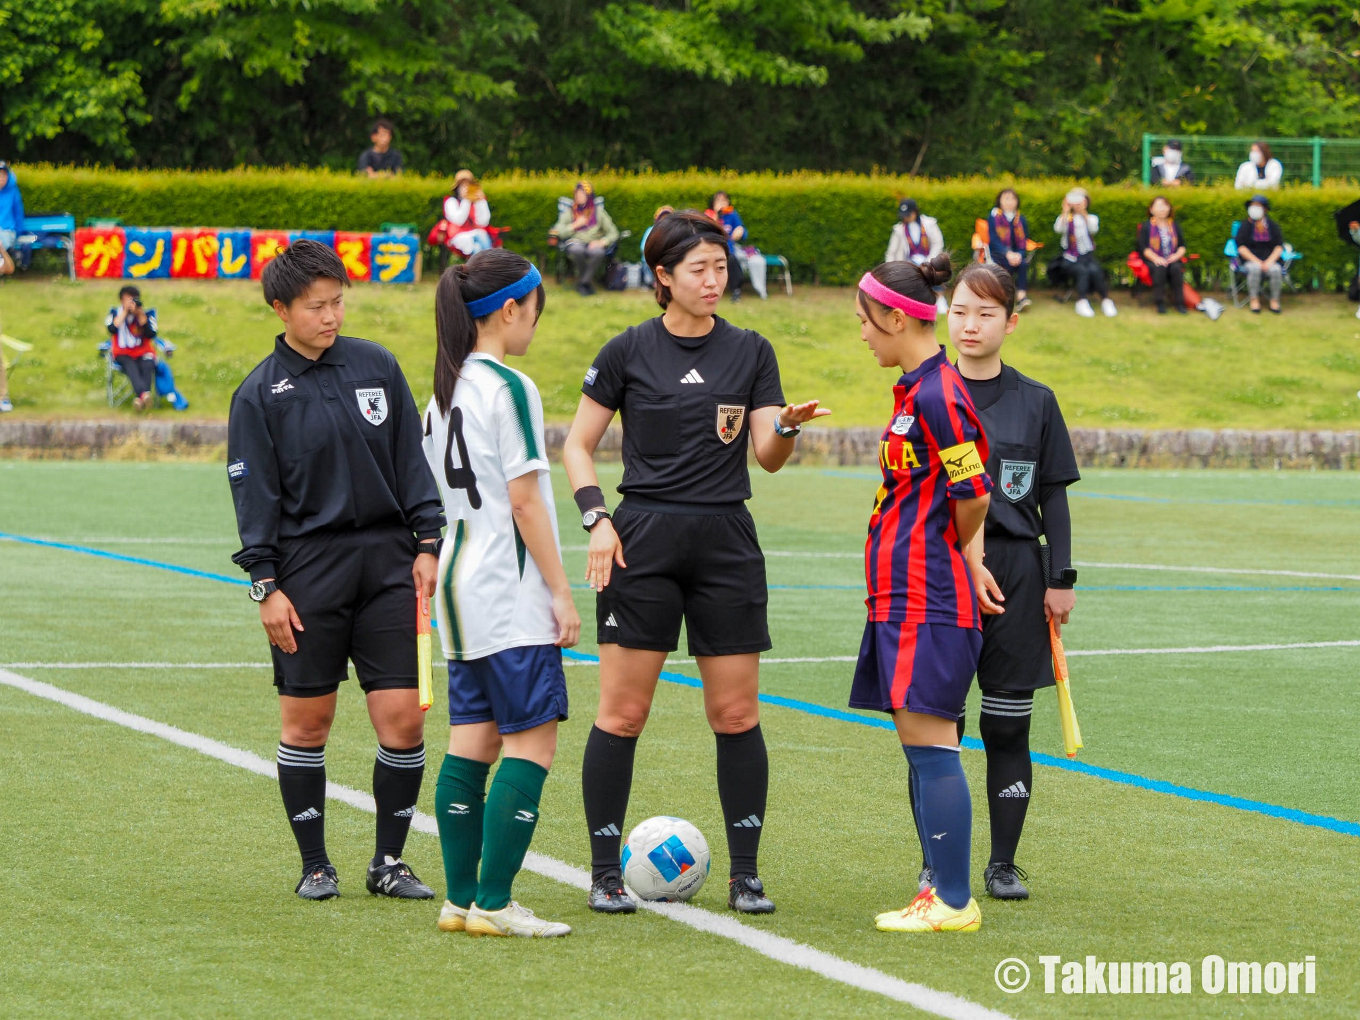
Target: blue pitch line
(1113, 775)
(840, 715)
(1206, 500)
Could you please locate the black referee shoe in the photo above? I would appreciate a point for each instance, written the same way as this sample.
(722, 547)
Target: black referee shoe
(1003, 882)
(318, 884)
(394, 878)
(746, 894)
(608, 896)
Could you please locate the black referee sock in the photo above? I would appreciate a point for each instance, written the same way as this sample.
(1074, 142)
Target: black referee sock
(396, 788)
(606, 781)
(1010, 773)
(743, 782)
(302, 781)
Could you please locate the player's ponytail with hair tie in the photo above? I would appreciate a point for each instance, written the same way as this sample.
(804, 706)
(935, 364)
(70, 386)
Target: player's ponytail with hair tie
(905, 286)
(470, 292)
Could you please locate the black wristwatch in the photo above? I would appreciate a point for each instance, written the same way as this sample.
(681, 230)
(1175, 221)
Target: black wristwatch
(430, 545)
(593, 517)
(261, 590)
(1067, 578)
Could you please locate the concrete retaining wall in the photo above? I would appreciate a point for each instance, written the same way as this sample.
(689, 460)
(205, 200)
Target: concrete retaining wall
(855, 446)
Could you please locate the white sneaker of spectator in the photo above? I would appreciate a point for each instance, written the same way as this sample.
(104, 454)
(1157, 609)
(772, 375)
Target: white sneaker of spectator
(941, 305)
(1107, 306)
(1357, 313)
(1085, 310)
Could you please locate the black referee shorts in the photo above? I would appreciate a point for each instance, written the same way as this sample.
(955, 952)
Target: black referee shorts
(700, 563)
(356, 598)
(1016, 655)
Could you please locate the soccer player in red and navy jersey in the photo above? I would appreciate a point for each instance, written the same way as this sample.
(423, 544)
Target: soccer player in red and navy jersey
(923, 635)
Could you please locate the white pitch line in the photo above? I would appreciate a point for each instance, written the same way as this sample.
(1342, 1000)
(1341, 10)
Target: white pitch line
(134, 540)
(1207, 649)
(136, 665)
(776, 947)
(1214, 570)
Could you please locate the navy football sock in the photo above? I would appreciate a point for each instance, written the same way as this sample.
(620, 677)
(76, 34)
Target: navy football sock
(946, 814)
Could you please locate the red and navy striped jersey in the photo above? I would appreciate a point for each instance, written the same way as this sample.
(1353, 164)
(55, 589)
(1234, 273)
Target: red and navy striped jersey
(932, 451)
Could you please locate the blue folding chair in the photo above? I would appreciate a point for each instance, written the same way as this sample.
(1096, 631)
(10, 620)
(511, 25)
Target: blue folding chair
(1237, 271)
(50, 231)
(117, 388)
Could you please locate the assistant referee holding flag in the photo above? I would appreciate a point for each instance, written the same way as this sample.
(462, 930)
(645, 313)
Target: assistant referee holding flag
(340, 520)
(1032, 463)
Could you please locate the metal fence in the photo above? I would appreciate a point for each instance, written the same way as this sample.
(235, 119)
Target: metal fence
(1215, 158)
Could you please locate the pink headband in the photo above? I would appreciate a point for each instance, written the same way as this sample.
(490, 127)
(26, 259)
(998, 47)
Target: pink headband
(888, 296)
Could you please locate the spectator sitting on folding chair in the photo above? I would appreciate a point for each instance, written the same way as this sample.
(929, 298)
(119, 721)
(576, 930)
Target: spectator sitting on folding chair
(133, 331)
(466, 216)
(1078, 226)
(11, 217)
(1008, 243)
(586, 233)
(1162, 246)
(1260, 246)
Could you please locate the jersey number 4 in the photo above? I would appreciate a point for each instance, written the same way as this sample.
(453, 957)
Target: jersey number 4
(460, 475)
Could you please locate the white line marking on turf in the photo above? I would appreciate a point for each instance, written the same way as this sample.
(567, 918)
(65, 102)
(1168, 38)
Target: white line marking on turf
(1214, 570)
(776, 947)
(1206, 649)
(136, 665)
(134, 540)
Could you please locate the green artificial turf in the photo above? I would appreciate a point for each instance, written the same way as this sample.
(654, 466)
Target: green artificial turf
(1140, 370)
(147, 880)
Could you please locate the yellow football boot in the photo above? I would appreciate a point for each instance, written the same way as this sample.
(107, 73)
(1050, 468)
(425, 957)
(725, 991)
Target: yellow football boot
(930, 913)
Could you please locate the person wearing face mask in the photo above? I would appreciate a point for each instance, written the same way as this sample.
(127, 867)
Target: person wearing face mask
(1260, 172)
(1169, 168)
(1260, 247)
(1078, 226)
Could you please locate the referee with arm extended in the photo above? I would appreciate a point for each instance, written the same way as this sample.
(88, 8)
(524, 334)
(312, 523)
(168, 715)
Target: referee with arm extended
(340, 526)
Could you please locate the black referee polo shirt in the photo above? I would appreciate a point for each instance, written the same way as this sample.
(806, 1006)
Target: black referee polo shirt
(685, 403)
(1028, 449)
(325, 445)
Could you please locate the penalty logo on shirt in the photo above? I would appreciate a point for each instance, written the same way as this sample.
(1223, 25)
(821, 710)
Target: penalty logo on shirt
(1017, 478)
(730, 417)
(372, 405)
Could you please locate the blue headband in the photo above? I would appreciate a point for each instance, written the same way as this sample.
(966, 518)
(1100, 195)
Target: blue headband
(486, 305)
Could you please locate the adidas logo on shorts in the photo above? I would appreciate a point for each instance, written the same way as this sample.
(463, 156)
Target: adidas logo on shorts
(311, 814)
(1016, 789)
(611, 622)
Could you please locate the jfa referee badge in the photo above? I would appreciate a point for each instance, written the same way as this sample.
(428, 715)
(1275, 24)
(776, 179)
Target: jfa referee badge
(1017, 478)
(730, 417)
(961, 461)
(372, 405)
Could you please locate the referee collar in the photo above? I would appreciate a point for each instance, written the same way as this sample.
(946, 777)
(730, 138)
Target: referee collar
(931, 364)
(1008, 379)
(297, 364)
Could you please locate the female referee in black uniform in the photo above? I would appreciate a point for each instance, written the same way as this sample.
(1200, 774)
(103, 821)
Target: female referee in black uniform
(339, 520)
(1032, 463)
(690, 389)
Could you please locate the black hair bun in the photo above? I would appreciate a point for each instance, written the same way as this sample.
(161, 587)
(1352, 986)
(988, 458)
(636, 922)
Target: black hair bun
(937, 271)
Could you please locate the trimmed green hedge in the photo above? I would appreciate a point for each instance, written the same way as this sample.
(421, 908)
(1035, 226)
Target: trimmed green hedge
(831, 227)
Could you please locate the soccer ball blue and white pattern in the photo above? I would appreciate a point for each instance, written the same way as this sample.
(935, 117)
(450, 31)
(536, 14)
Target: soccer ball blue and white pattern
(665, 860)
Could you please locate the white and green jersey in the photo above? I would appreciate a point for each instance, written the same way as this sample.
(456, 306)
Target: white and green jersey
(491, 595)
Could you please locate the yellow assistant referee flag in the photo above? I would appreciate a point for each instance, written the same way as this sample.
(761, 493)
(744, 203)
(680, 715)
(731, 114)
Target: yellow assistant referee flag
(1067, 715)
(423, 652)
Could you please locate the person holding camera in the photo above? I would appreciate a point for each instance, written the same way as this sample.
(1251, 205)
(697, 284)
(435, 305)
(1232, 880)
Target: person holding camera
(133, 333)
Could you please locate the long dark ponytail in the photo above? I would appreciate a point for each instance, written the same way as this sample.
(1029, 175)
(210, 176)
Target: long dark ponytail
(454, 327)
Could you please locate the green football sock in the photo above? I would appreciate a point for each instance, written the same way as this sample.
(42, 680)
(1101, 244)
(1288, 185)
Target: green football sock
(511, 816)
(458, 808)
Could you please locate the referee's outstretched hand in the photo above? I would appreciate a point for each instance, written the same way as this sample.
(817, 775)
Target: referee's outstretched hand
(797, 414)
(604, 551)
(280, 619)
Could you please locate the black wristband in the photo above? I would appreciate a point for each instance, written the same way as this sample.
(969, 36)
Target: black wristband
(589, 497)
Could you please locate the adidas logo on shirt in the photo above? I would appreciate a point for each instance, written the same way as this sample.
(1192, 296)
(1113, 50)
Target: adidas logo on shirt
(1016, 789)
(306, 816)
(609, 830)
(692, 376)
(750, 822)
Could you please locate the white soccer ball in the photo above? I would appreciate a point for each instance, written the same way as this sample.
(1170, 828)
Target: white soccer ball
(665, 860)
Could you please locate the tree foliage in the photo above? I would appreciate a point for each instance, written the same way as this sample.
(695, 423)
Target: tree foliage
(940, 87)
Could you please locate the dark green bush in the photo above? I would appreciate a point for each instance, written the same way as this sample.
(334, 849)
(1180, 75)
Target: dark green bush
(831, 227)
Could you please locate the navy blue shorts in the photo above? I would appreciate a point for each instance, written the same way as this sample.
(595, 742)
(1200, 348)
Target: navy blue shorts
(517, 689)
(922, 667)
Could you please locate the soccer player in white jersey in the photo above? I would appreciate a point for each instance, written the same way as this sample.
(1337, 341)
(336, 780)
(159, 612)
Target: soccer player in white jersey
(503, 601)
